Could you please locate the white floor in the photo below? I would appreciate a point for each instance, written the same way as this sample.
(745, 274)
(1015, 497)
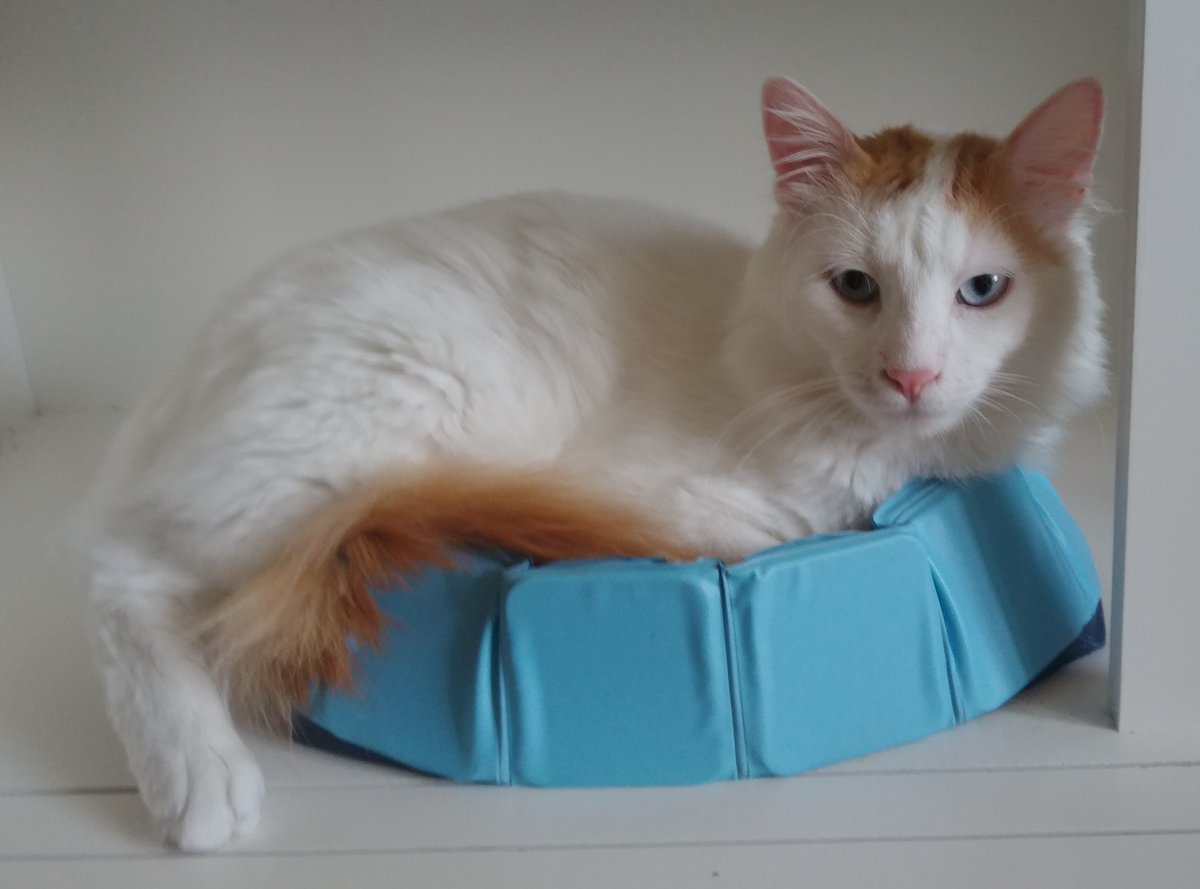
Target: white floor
(1042, 793)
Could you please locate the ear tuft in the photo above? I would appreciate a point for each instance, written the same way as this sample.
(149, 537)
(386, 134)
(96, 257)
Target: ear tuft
(808, 145)
(1051, 153)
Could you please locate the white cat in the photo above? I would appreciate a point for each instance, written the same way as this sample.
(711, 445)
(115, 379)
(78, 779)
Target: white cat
(571, 376)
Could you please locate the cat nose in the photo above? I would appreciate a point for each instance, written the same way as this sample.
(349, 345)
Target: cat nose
(911, 381)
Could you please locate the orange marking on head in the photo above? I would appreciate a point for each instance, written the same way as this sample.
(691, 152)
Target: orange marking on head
(982, 188)
(890, 161)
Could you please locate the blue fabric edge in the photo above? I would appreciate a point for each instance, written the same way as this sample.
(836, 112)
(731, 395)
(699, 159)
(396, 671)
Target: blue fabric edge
(733, 669)
(304, 731)
(1091, 639)
(1092, 636)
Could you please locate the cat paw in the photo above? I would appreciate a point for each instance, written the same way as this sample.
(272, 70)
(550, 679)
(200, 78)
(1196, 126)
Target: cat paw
(207, 795)
(224, 796)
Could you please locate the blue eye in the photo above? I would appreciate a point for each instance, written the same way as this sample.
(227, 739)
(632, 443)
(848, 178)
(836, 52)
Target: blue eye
(855, 286)
(983, 290)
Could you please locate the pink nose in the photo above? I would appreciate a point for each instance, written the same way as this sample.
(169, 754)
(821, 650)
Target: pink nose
(911, 381)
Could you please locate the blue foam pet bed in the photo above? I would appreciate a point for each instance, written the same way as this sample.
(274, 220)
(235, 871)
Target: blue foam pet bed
(624, 672)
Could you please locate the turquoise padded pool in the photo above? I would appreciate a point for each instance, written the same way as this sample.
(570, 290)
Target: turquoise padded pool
(634, 672)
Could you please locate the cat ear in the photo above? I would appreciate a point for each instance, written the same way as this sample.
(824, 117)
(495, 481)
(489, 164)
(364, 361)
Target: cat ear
(1050, 154)
(808, 145)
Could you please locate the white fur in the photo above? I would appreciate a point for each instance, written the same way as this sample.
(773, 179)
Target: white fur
(728, 390)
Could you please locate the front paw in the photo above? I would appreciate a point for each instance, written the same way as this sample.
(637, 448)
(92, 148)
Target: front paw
(203, 793)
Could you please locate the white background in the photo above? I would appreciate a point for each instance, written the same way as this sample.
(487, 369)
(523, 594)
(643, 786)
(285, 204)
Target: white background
(153, 153)
(1156, 660)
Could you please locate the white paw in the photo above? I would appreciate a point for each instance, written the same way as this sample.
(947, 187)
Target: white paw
(205, 794)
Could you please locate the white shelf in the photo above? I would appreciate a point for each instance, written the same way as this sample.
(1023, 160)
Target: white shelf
(1043, 783)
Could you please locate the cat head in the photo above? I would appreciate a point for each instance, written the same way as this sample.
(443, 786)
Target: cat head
(940, 285)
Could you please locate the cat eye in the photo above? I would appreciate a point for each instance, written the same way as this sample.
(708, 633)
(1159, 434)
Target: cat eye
(855, 286)
(983, 290)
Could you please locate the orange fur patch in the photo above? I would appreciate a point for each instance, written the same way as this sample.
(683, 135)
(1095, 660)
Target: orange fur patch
(890, 161)
(293, 623)
(981, 188)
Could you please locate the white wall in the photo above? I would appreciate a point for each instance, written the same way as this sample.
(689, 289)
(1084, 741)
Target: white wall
(1156, 607)
(152, 153)
(16, 395)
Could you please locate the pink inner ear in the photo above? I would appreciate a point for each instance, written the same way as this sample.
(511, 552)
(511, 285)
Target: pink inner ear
(805, 140)
(1052, 151)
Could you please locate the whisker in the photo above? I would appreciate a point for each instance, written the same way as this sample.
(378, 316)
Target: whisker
(1006, 393)
(988, 401)
(776, 400)
(823, 402)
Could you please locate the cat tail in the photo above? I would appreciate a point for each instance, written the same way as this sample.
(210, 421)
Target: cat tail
(298, 620)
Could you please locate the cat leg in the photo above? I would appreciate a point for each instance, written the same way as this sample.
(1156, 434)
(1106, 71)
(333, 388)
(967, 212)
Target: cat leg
(729, 519)
(198, 779)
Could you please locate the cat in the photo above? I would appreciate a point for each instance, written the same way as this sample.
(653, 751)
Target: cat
(567, 377)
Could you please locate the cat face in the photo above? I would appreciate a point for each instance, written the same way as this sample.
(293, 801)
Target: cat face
(922, 271)
(914, 306)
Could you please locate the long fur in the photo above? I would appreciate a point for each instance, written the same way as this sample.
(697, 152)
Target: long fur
(292, 624)
(566, 376)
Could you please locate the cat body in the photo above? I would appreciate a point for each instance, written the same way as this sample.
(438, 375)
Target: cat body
(635, 381)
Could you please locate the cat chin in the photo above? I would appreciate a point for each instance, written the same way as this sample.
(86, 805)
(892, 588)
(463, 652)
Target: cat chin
(920, 421)
(931, 425)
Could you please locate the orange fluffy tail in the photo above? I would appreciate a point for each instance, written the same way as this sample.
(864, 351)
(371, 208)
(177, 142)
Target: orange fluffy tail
(293, 623)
